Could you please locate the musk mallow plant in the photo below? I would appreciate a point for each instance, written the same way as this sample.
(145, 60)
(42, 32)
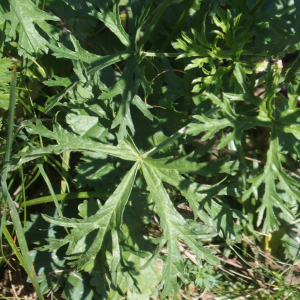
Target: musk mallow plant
(151, 123)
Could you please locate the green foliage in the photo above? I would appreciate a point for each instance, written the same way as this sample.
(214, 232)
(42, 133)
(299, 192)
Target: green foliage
(154, 126)
(22, 16)
(5, 78)
(203, 278)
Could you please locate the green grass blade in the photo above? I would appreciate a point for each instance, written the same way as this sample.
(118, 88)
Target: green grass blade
(26, 262)
(70, 196)
(14, 247)
(178, 25)
(2, 40)
(293, 264)
(153, 22)
(49, 185)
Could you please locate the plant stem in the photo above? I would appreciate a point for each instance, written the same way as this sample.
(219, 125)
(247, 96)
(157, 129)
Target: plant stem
(175, 136)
